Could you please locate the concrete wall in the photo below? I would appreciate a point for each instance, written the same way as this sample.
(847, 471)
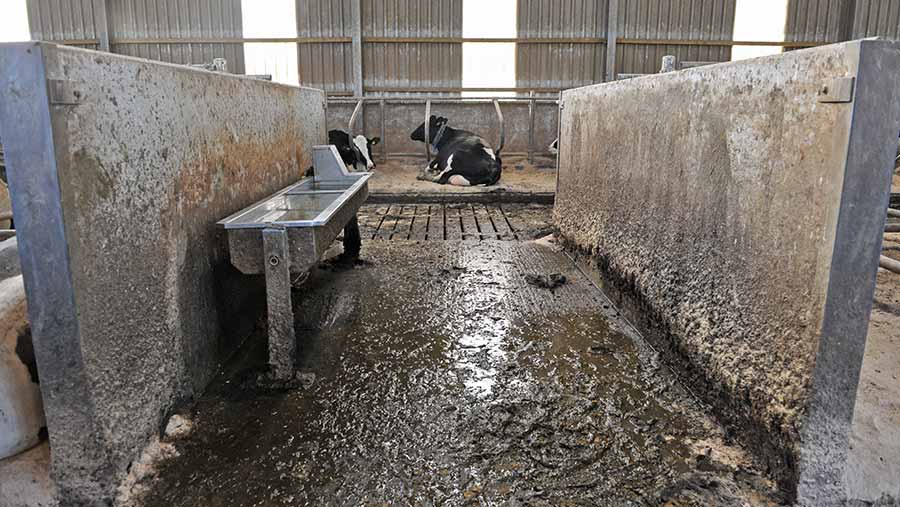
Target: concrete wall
(739, 218)
(119, 168)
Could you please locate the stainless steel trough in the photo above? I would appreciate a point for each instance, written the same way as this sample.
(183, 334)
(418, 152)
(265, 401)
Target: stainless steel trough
(289, 232)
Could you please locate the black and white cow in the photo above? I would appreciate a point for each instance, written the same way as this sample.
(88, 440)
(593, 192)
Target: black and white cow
(461, 158)
(356, 153)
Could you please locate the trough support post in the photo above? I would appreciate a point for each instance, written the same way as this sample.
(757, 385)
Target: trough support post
(612, 33)
(356, 26)
(282, 340)
(352, 239)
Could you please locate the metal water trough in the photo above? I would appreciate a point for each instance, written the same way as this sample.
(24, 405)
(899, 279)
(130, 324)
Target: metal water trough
(288, 233)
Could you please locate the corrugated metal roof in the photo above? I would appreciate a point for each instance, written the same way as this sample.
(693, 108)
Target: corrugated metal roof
(672, 20)
(877, 18)
(412, 65)
(178, 19)
(64, 20)
(826, 21)
(561, 65)
(814, 20)
(438, 65)
(566, 65)
(328, 65)
(79, 20)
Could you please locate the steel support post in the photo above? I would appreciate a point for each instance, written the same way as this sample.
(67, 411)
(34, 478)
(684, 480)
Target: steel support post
(612, 33)
(103, 24)
(356, 26)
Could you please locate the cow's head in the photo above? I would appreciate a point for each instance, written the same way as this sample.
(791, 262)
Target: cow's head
(364, 146)
(434, 124)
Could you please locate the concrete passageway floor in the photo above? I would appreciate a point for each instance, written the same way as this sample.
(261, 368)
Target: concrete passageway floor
(434, 374)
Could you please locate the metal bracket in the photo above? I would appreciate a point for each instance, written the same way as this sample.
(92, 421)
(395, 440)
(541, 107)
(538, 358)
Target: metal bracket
(65, 93)
(837, 91)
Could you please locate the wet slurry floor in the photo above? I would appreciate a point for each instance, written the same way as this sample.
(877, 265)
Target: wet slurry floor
(435, 375)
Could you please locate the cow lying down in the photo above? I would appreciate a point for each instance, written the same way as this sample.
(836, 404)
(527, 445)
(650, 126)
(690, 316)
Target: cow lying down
(356, 153)
(461, 158)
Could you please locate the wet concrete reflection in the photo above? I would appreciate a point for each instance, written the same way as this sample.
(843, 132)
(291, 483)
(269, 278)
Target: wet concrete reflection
(436, 376)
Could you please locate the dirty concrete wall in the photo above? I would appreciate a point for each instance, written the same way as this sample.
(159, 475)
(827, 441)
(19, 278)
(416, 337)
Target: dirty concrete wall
(119, 168)
(738, 216)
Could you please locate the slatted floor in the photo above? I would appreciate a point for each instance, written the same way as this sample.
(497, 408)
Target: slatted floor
(447, 222)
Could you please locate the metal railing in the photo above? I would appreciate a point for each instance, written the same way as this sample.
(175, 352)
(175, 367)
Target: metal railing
(445, 40)
(360, 103)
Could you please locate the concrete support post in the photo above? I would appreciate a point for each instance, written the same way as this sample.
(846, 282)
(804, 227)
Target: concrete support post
(356, 26)
(612, 33)
(282, 340)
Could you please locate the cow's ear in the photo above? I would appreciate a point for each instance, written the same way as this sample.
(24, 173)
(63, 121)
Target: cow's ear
(442, 121)
(374, 141)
